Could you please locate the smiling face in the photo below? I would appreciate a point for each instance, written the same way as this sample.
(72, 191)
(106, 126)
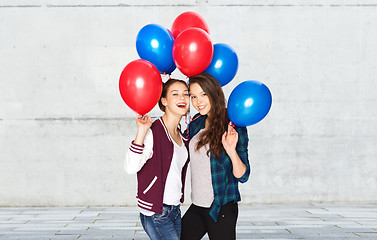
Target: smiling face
(200, 99)
(177, 99)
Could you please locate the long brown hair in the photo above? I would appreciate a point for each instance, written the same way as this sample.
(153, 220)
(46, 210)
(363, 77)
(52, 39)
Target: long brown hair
(217, 117)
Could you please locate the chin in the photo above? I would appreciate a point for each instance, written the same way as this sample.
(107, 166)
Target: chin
(203, 112)
(182, 113)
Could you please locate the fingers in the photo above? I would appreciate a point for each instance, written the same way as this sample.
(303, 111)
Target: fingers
(229, 127)
(143, 118)
(148, 118)
(231, 130)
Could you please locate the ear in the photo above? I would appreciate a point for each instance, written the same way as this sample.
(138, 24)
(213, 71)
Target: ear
(164, 101)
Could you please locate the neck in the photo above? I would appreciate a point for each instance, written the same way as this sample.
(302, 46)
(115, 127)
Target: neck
(171, 122)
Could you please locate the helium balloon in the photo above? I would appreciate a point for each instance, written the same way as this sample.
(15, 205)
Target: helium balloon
(192, 51)
(224, 64)
(249, 103)
(154, 43)
(171, 69)
(140, 86)
(188, 20)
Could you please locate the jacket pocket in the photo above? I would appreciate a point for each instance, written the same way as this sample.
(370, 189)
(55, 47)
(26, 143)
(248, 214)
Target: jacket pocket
(150, 185)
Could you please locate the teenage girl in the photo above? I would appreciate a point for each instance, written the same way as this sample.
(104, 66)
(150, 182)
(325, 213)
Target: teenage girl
(219, 161)
(159, 156)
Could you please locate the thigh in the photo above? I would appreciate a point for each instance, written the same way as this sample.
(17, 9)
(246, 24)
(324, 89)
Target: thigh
(149, 227)
(175, 217)
(164, 224)
(225, 227)
(193, 225)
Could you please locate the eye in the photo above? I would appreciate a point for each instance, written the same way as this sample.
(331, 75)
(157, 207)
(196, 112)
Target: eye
(204, 94)
(186, 94)
(175, 94)
(192, 97)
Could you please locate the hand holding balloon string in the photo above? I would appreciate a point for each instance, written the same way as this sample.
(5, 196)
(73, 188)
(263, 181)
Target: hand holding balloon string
(143, 122)
(230, 139)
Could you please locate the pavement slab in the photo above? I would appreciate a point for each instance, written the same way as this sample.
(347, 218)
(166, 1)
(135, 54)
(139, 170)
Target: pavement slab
(283, 221)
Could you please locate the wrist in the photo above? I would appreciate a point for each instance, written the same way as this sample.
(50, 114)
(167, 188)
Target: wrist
(140, 136)
(231, 152)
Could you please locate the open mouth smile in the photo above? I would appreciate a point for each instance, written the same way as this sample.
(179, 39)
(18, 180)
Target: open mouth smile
(201, 107)
(181, 105)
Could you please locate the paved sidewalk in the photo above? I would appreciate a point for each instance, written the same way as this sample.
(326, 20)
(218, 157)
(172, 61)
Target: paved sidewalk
(314, 221)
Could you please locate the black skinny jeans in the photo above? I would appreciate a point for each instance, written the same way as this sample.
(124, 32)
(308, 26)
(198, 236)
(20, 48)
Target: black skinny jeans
(197, 222)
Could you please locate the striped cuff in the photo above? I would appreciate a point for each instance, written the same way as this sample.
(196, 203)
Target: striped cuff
(136, 148)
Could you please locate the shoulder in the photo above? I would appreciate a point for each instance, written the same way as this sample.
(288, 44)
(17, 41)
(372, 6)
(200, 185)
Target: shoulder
(197, 123)
(159, 130)
(156, 123)
(157, 126)
(196, 115)
(197, 119)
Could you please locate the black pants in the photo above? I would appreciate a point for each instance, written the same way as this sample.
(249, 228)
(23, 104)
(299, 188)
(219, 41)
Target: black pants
(197, 222)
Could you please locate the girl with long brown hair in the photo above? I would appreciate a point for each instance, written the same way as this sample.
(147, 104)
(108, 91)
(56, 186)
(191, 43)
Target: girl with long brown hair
(219, 160)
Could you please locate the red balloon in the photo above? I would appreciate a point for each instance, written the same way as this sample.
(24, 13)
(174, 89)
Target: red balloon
(192, 51)
(140, 86)
(188, 20)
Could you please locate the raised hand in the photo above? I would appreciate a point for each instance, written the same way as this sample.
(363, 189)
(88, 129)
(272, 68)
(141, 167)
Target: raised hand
(143, 122)
(230, 139)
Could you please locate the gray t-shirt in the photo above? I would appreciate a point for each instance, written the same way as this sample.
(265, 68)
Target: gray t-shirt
(201, 180)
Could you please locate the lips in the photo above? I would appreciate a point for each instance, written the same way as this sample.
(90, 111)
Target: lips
(201, 107)
(181, 105)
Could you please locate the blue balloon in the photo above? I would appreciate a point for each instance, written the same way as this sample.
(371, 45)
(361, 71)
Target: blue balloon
(154, 43)
(171, 69)
(224, 64)
(249, 103)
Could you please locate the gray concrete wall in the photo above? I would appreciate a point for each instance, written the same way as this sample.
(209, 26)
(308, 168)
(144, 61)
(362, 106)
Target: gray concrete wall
(65, 130)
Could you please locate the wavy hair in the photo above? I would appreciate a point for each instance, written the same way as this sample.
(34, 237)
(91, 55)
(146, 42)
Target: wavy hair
(217, 116)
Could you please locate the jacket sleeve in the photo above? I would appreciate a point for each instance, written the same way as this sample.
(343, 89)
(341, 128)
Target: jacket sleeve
(242, 151)
(138, 155)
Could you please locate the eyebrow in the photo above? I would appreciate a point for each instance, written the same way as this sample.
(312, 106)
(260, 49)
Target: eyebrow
(202, 92)
(174, 90)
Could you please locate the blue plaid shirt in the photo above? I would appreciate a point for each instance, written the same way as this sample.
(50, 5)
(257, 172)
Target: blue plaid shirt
(225, 184)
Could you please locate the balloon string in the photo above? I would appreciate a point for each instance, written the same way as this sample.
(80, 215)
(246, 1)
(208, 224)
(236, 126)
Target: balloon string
(231, 124)
(187, 116)
(190, 120)
(144, 116)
